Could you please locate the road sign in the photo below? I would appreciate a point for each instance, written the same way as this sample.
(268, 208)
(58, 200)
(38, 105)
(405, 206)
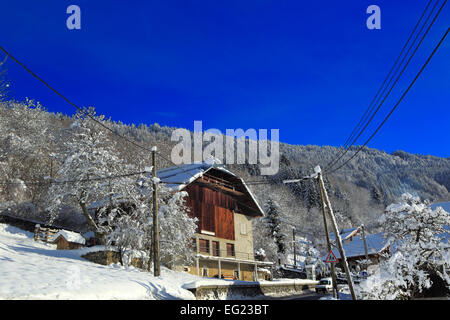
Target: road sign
(331, 258)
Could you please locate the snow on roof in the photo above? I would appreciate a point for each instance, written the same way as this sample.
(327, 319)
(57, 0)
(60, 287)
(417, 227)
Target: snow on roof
(178, 177)
(355, 248)
(70, 236)
(347, 233)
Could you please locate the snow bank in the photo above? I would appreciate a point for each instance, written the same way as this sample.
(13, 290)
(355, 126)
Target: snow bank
(227, 283)
(34, 270)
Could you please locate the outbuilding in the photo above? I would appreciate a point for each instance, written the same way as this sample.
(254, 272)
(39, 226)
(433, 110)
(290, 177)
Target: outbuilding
(68, 240)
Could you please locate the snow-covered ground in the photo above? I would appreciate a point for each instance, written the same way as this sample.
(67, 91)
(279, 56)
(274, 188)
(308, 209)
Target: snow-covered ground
(33, 270)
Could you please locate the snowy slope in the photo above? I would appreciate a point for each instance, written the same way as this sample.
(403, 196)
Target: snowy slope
(32, 270)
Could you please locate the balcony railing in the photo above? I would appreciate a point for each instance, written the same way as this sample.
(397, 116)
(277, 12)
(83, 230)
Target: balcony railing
(226, 254)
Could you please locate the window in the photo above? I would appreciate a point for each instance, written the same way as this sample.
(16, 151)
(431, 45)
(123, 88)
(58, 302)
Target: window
(230, 249)
(194, 244)
(204, 245)
(216, 248)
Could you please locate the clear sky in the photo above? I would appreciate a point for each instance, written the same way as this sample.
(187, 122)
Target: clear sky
(307, 68)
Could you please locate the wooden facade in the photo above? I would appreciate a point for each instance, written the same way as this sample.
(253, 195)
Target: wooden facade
(214, 210)
(63, 244)
(213, 199)
(224, 208)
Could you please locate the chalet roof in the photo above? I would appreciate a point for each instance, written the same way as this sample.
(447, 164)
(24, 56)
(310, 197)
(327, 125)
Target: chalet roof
(345, 234)
(178, 177)
(355, 248)
(70, 236)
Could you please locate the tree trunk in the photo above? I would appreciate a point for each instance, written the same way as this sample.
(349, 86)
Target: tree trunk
(98, 235)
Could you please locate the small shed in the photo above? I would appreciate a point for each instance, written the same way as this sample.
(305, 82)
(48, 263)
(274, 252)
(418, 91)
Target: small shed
(68, 240)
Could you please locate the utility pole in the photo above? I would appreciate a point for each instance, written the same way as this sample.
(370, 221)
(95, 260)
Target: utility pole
(156, 257)
(336, 231)
(363, 231)
(333, 270)
(293, 244)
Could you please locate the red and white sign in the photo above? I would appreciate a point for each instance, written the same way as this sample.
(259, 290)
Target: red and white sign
(331, 258)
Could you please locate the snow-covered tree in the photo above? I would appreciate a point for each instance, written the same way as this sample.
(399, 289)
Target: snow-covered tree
(177, 229)
(274, 225)
(307, 253)
(416, 234)
(83, 175)
(4, 84)
(127, 221)
(265, 246)
(26, 141)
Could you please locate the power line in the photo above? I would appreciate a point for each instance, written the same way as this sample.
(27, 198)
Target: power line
(397, 79)
(372, 106)
(80, 109)
(84, 112)
(363, 118)
(396, 105)
(44, 183)
(73, 104)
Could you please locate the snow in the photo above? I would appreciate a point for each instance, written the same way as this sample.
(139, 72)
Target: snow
(178, 177)
(345, 234)
(355, 248)
(35, 270)
(70, 236)
(226, 283)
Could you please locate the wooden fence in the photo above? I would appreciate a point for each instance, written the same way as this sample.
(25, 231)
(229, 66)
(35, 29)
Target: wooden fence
(44, 234)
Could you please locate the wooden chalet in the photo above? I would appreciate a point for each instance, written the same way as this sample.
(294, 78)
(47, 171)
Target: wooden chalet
(225, 208)
(68, 240)
(354, 248)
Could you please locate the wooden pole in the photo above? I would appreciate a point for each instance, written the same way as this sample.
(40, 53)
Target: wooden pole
(363, 231)
(36, 232)
(156, 256)
(197, 262)
(333, 270)
(239, 270)
(336, 232)
(293, 244)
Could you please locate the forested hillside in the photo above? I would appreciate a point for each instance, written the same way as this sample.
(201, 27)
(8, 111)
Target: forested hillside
(33, 142)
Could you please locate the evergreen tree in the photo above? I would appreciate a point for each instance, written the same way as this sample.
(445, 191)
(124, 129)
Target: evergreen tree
(274, 224)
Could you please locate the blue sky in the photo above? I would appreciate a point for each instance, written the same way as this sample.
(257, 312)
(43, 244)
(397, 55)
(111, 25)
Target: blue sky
(307, 69)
